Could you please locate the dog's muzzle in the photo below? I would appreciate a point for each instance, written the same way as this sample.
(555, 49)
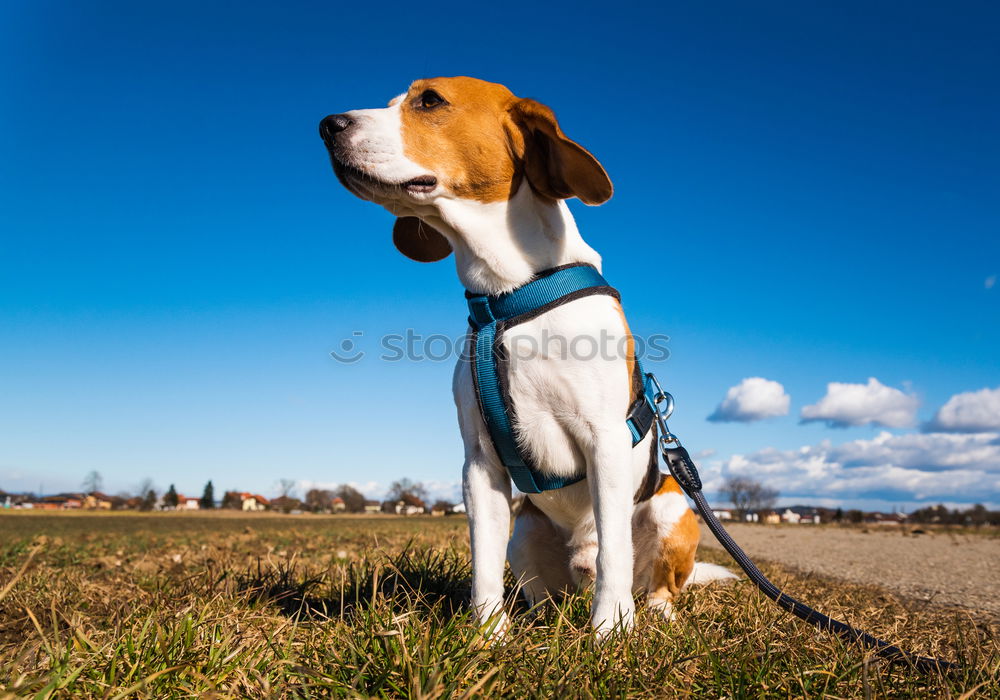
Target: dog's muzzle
(333, 125)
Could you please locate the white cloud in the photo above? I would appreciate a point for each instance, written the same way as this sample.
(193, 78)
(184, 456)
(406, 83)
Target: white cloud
(755, 398)
(968, 412)
(958, 468)
(990, 282)
(862, 404)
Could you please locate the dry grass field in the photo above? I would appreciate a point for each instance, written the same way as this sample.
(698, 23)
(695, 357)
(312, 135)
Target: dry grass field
(227, 605)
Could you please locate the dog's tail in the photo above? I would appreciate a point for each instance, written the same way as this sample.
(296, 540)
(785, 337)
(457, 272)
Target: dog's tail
(707, 573)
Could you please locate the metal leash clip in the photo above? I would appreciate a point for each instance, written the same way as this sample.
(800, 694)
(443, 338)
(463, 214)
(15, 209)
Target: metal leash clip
(678, 460)
(663, 408)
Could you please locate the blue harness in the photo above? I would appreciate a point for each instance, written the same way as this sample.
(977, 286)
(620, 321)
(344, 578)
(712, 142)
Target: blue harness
(489, 317)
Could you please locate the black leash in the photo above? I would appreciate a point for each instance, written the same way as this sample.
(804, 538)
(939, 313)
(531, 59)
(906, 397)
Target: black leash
(682, 468)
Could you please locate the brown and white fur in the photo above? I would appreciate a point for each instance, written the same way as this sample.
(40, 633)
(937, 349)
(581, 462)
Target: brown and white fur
(469, 168)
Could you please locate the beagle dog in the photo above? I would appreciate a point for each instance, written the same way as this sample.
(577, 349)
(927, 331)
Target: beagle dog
(468, 168)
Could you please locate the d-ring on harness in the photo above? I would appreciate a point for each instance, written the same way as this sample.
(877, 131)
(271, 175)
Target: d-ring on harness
(489, 316)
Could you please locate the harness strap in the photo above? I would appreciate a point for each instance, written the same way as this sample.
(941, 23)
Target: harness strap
(489, 317)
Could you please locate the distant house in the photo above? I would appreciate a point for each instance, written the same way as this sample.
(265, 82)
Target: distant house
(772, 518)
(790, 517)
(807, 515)
(188, 503)
(96, 501)
(15, 500)
(253, 502)
(723, 514)
(133, 503)
(373, 507)
(337, 505)
(408, 505)
(62, 501)
(458, 508)
(413, 505)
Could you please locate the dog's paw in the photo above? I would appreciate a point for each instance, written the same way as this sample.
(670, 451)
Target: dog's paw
(612, 619)
(662, 607)
(493, 630)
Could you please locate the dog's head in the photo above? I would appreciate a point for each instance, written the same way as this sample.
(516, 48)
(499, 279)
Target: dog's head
(455, 139)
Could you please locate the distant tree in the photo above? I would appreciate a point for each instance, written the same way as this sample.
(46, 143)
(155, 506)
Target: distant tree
(170, 497)
(748, 495)
(285, 487)
(446, 506)
(232, 500)
(207, 500)
(764, 498)
(93, 481)
(411, 500)
(354, 500)
(854, 516)
(921, 515)
(144, 487)
(400, 490)
(149, 500)
(839, 515)
(318, 500)
(931, 514)
(977, 515)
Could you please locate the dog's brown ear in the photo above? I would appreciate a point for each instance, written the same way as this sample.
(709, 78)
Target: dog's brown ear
(418, 241)
(556, 166)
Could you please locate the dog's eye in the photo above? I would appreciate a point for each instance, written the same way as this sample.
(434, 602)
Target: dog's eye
(430, 99)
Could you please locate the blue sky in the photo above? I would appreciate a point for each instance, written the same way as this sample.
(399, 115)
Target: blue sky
(804, 193)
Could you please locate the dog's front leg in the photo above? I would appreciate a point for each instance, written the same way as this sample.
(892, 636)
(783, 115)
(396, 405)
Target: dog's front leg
(610, 475)
(486, 488)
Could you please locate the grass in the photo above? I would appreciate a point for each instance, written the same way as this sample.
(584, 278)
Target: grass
(218, 606)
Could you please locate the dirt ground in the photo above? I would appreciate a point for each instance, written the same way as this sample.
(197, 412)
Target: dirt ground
(939, 567)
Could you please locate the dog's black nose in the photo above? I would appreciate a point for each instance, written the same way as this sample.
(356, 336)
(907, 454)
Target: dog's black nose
(333, 125)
